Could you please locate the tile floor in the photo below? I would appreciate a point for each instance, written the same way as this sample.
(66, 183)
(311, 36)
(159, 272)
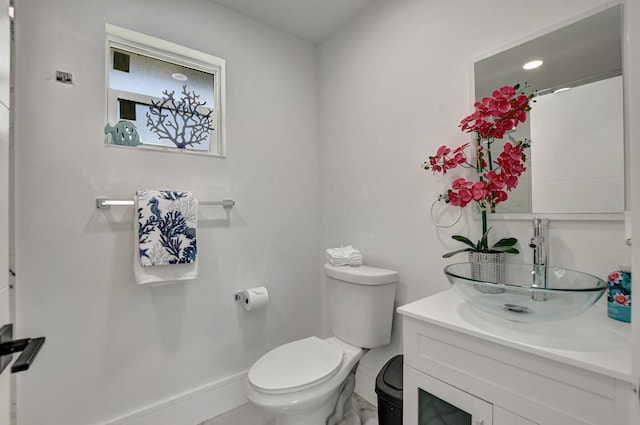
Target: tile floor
(247, 414)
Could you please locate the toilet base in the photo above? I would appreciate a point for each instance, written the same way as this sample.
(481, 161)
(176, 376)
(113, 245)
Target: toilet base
(336, 411)
(316, 416)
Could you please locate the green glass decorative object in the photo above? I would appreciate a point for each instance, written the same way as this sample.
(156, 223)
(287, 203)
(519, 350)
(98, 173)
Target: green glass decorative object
(124, 133)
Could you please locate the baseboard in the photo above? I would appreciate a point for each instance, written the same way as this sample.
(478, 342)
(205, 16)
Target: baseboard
(366, 384)
(191, 407)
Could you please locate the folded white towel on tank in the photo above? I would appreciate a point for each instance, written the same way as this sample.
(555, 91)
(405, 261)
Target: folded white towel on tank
(344, 256)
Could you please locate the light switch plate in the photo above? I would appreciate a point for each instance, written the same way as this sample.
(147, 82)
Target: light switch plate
(64, 77)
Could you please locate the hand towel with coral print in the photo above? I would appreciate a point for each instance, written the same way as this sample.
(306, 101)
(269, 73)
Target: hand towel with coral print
(166, 227)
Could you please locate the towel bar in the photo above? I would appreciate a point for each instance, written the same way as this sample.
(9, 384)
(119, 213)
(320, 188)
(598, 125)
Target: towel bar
(106, 203)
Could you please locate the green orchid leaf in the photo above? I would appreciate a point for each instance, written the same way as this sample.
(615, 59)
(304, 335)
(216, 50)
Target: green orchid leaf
(464, 240)
(505, 242)
(452, 253)
(506, 250)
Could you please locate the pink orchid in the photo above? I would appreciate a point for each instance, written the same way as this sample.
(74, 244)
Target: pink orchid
(493, 117)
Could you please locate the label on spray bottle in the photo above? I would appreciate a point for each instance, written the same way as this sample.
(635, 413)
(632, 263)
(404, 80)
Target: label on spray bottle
(619, 295)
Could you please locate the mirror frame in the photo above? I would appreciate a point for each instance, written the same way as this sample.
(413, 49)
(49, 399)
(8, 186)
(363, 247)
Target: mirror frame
(610, 216)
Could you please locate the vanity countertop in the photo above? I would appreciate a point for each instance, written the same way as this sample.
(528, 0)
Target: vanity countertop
(590, 341)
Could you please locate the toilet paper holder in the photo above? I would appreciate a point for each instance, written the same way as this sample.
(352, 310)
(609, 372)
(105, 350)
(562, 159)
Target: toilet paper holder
(252, 298)
(240, 296)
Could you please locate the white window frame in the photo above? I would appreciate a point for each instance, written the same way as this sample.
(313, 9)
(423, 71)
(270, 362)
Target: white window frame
(137, 43)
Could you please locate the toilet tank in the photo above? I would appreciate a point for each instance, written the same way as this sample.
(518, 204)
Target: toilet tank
(361, 304)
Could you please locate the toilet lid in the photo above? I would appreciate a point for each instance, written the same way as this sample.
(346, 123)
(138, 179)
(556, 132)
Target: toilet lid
(295, 366)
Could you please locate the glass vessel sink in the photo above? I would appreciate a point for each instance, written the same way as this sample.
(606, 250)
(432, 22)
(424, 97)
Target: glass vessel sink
(527, 293)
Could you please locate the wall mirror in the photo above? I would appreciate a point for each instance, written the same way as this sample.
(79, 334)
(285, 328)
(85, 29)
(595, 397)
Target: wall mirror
(576, 162)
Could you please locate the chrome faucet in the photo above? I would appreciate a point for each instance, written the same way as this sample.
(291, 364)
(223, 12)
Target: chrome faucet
(540, 244)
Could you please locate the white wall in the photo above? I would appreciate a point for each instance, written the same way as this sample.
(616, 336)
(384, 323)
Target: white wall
(113, 347)
(394, 86)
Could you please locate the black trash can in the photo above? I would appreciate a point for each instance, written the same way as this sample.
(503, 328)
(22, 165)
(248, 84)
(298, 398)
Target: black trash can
(389, 391)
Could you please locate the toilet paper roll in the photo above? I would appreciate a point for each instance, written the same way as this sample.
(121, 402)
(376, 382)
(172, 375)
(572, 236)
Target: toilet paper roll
(256, 298)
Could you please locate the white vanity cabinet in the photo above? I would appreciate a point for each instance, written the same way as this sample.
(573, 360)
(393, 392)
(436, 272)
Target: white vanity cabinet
(509, 373)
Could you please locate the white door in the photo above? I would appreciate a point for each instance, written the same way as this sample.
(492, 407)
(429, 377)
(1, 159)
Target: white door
(5, 296)
(632, 78)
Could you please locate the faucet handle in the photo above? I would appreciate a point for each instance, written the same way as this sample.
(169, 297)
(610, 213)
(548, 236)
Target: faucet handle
(536, 241)
(539, 221)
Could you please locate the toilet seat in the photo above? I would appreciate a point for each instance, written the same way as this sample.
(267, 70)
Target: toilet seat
(295, 366)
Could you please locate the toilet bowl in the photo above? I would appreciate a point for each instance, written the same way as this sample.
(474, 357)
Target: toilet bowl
(310, 381)
(299, 381)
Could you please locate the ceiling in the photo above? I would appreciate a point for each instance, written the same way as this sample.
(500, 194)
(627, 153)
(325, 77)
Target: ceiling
(313, 20)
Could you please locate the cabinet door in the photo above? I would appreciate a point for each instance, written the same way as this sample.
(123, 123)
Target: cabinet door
(429, 401)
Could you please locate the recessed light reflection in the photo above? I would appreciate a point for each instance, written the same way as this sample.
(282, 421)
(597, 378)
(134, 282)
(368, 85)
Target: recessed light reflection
(178, 76)
(532, 64)
(561, 90)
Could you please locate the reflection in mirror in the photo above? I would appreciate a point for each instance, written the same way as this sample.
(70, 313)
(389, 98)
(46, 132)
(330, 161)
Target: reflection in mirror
(577, 155)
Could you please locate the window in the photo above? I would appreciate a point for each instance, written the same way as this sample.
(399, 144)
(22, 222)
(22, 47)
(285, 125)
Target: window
(163, 96)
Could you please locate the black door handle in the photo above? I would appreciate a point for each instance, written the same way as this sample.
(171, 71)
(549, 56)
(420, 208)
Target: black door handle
(28, 346)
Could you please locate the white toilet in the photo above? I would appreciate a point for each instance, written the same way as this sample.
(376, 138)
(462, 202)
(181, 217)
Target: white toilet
(310, 381)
